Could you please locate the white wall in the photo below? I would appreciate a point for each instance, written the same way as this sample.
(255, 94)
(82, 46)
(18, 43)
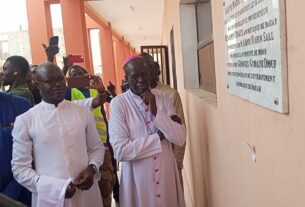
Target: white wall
(218, 164)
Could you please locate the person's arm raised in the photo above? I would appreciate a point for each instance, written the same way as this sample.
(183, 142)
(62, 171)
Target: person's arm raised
(50, 51)
(97, 83)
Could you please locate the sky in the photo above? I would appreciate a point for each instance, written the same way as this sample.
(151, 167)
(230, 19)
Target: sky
(13, 14)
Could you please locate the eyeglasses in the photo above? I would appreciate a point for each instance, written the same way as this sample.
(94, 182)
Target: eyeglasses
(52, 81)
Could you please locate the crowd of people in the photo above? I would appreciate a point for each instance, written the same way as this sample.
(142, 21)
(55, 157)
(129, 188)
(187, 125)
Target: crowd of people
(58, 149)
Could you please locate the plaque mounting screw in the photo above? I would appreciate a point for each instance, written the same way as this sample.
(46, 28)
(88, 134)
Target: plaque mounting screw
(276, 101)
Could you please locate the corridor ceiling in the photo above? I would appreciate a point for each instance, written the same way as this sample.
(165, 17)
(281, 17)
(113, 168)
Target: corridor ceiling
(139, 21)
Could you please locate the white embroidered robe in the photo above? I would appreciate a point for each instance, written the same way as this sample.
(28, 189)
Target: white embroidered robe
(61, 142)
(149, 176)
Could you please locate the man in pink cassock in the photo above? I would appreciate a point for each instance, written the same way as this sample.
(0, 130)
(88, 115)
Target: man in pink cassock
(141, 131)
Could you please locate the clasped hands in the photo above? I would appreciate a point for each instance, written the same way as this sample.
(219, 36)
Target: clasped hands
(174, 118)
(149, 99)
(84, 181)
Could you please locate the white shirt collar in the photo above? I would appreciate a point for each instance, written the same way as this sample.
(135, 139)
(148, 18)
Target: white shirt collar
(49, 106)
(137, 99)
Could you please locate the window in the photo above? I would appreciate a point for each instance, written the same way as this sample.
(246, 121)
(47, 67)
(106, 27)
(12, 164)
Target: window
(205, 46)
(57, 26)
(160, 55)
(96, 51)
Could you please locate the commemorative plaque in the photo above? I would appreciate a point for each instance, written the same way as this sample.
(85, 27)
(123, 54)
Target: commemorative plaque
(256, 62)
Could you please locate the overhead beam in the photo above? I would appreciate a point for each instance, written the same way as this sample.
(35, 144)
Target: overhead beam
(100, 20)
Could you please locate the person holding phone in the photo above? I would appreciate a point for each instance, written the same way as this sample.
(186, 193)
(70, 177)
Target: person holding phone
(82, 85)
(142, 133)
(52, 49)
(79, 87)
(110, 93)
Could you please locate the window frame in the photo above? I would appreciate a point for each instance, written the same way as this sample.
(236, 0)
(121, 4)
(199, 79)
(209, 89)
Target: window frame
(202, 44)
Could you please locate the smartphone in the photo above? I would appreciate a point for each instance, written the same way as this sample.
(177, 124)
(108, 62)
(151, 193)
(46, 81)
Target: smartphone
(78, 82)
(76, 58)
(53, 40)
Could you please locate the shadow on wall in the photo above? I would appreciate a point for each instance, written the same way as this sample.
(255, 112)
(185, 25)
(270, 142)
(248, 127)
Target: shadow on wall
(197, 161)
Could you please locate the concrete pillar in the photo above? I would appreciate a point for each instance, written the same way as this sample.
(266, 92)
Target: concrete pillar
(127, 50)
(107, 55)
(74, 25)
(117, 82)
(120, 58)
(131, 51)
(40, 28)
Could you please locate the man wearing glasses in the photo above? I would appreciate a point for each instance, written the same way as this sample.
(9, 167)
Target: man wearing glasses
(61, 139)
